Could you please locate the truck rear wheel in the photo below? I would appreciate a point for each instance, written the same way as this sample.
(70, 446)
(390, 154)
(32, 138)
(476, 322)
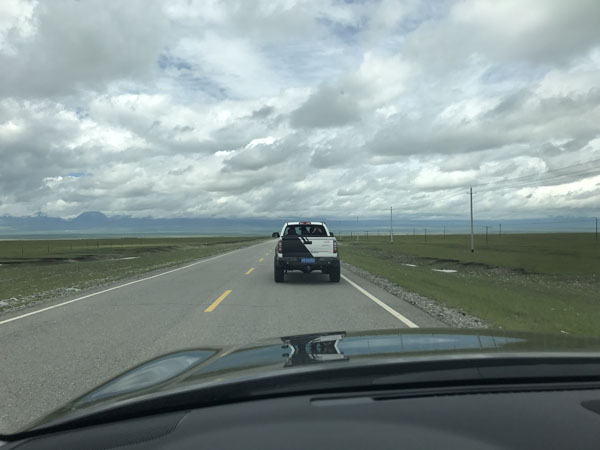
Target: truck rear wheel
(334, 274)
(278, 273)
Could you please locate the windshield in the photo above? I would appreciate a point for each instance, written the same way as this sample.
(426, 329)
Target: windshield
(184, 174)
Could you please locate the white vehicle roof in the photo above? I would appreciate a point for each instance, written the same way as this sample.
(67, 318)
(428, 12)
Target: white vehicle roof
(305, 222)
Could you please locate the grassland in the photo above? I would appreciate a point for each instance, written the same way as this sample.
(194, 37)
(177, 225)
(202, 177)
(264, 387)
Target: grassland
(35, 270)
(533, 282)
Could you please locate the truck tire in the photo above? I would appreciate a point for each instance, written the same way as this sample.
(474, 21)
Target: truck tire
(334, 274)
(278, 273)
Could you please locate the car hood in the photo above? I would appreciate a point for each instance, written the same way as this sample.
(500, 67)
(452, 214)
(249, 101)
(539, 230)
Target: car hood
(202, 368)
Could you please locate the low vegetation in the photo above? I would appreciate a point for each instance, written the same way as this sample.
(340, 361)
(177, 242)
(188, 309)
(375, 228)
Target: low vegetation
(533, 282)
(35, 270)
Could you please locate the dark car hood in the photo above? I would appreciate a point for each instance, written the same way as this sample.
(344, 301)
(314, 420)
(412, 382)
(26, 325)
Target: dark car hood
(202, 368)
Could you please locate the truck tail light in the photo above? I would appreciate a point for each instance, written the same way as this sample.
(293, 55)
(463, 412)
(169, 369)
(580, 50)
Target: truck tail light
(334, 246)
(280, 247)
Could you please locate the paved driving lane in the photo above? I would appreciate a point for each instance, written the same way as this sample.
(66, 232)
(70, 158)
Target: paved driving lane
(49, 358)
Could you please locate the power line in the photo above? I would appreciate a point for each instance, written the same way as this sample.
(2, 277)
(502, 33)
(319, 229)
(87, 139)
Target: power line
(510, 180)
(578, 174)
(543, 173)
(527, 180)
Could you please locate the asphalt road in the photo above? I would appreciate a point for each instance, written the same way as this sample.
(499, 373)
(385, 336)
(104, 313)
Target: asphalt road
(54, 355)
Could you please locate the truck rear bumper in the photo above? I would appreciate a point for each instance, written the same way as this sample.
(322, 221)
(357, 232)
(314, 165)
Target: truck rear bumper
(294, 263)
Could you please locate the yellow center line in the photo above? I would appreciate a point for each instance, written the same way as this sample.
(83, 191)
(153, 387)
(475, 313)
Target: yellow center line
(217, 301)
(261, 259)
(250, 271)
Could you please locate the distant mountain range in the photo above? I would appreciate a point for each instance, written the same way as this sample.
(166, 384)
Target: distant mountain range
(95, 223)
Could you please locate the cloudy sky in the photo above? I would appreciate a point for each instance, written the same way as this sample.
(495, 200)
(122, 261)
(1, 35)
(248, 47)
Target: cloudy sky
(314, 108)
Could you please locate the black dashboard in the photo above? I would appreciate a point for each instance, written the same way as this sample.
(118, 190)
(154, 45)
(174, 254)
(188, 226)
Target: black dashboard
(552, 417)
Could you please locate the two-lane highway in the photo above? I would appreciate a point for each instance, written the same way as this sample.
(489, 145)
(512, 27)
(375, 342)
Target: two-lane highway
(55, 353)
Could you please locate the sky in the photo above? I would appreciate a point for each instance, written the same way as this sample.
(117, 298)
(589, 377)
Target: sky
(313, 108)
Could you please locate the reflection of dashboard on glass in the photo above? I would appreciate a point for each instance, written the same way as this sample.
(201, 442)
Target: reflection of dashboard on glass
(445, 419)
(313, 348)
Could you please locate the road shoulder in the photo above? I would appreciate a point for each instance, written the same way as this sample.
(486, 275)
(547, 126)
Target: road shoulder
(424, 311)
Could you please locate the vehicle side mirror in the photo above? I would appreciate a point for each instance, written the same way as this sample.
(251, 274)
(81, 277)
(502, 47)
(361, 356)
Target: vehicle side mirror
(275, 235)
(331, 234)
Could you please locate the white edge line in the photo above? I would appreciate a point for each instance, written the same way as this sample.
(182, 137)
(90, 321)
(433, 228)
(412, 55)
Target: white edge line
(124, 285)
(389, 309)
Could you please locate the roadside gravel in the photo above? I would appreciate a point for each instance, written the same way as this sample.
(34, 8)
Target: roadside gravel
(450, 316)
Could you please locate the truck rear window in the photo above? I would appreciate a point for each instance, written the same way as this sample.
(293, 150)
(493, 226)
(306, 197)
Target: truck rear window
(305, 230)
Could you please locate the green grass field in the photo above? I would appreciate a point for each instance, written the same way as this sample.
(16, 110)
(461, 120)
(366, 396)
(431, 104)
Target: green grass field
(533, 282)
(34, 270)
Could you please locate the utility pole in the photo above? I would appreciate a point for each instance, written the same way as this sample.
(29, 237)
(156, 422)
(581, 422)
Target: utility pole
(596, 228)
(444, 231)
(391, 226)
(357, 228)
(425, 234)
(486, 233)
(413, 231)
(499, 229)
(472, 239)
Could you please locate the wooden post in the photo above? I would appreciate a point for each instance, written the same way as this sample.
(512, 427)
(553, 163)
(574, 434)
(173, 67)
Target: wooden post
(472, 239)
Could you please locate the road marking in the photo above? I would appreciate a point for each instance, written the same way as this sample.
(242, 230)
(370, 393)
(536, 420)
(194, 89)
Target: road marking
(389, 309)
(217, 301)
(250, 271)
(261, 259)
(123, 285)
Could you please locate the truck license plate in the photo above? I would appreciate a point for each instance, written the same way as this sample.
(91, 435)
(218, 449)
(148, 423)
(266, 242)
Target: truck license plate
(307, 260)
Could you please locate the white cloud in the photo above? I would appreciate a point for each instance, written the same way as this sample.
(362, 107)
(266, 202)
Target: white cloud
(80, 45)
(16, 23)
(542, 31)
(194, 108)
(436, 179)
(230, 67)
(380, 79)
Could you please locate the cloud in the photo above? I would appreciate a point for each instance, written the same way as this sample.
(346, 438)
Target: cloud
(474, 125)
(436, 179)
(322, 108)
(327, 107)
(263, 112)
(543, 32)
(16, 24)
(546, 31)
(377, 81)
(259, 154)
(81, 45)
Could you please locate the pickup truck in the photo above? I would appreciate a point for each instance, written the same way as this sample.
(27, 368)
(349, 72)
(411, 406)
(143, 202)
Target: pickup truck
(306, 246)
